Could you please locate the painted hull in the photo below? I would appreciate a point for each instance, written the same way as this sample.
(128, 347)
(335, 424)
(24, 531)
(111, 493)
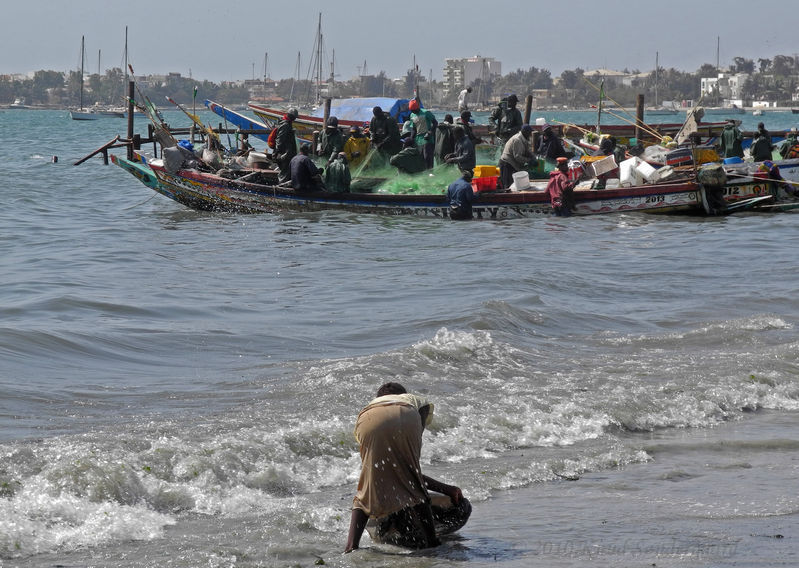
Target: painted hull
(238, 119)
(207, 191)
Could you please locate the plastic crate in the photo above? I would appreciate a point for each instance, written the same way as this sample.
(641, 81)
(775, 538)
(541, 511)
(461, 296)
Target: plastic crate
(488, 183)
(485, 171)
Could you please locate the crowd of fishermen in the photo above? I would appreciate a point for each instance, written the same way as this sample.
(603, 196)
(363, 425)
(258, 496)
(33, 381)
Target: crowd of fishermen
(418, 145)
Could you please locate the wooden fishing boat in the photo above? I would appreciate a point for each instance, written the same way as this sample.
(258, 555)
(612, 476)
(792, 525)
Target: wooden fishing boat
(258, 191)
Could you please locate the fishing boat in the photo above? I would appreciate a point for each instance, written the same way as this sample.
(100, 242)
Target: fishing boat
(258, 191)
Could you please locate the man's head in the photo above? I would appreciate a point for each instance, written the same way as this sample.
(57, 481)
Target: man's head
(413, 105)
(342, 156)
(563, 164)
(467, 175)
(391, 388)
(468, 89)
(293, 113)
(448, 119)
(355, 131)
(332, 123)
(378, 112)
(466, 116)
(512, 100)
(458, 132)
(527, 131)
(305, 148)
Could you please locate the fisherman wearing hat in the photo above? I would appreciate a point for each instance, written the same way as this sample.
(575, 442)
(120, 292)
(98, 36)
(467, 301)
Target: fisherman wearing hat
(731, 141)
(424, 124)
(465, 120)
(560, 189)
(356, 147)
(516, 156)
(508, 119)
(550, 146)
(384, 133)
(331, 141)
(285, 144)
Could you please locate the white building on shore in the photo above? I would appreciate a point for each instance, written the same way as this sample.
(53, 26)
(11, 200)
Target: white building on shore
(463, 72)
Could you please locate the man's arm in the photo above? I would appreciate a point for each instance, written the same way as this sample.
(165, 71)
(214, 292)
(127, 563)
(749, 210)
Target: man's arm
(451, 491)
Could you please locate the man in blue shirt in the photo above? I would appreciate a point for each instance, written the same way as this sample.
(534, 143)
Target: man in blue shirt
(460, 196)
(305, 176)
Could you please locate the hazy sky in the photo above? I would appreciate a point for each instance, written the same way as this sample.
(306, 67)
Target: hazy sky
(228, 39)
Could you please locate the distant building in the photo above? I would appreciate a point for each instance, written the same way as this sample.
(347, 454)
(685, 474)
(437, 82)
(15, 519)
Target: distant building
(463, 72)
(725, 86)
(610, 77)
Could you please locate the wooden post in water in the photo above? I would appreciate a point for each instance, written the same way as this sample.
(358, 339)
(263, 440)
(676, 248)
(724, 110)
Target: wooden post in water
(528, 108)
(131, 86)
(639, 115)
(325, 116)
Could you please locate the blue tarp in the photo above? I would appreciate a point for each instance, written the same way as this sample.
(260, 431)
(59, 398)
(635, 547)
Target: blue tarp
(360, 109)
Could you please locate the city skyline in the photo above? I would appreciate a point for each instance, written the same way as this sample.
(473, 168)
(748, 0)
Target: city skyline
(231, 42)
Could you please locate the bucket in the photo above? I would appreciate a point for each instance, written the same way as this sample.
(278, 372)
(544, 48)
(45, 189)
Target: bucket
(521, 180)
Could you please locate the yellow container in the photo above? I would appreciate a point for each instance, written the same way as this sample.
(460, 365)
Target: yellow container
(485, 171)
(706, 155)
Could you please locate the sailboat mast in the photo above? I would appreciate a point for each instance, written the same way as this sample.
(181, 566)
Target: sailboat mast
(82, 57)
(319, 61)
(657, 76)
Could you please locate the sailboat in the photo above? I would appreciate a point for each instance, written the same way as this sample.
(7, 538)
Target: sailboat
(81, 113)
(97, 111)
(659, 108)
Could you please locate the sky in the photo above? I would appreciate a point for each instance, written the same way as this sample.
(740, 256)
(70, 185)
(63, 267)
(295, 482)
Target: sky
(229, 40)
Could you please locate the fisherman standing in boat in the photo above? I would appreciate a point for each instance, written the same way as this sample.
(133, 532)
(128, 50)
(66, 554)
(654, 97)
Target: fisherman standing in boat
(356, 147)
(286, 144)
(516, 156)
(731, 141)
(424, 124)
(465, 120)
(392, 491)
(445, 139)
(508, 119)
(462, 105)
(384, 133)
(331, 142)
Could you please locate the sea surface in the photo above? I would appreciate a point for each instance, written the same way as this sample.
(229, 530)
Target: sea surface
(179, 389)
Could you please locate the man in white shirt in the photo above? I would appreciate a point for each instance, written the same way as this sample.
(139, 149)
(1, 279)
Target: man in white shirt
(462, 106)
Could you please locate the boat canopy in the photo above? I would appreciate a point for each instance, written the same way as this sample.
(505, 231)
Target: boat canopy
(360, 109)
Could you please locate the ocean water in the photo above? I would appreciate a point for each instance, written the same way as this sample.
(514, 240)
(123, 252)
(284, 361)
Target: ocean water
(180, 388)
